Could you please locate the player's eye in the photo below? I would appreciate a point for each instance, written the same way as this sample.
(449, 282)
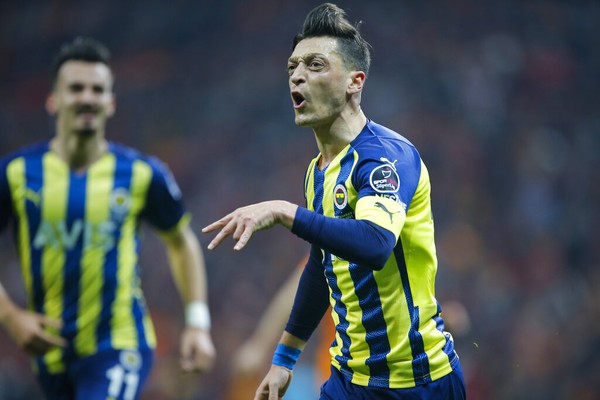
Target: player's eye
(291, 68)
(76, 88)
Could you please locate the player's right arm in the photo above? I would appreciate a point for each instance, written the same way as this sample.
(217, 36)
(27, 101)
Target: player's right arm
(360, 241)
(27, 329)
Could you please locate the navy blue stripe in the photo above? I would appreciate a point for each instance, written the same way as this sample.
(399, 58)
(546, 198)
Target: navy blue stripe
(449, 346)
(374, 324)
(139, 305)
(318, 189)
(75, 218)
(346, 164)
(420, 361)
(34, 177)
(138, 310)
(369, 301)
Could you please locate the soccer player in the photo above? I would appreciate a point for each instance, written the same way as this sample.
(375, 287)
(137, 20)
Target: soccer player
(76, 203)
(368, 218)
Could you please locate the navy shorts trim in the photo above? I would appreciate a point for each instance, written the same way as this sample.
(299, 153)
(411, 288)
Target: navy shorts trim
(449, 387)
(110, 374)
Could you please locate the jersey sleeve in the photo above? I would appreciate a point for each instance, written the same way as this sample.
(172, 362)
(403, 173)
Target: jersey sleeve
(358, 241)
(312, 298)
(386, 182)
(164, 208)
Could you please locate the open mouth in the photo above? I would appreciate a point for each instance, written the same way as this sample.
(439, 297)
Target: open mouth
(297, 99)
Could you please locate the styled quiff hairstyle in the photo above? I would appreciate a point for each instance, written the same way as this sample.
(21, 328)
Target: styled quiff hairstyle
(330, 20)
(80, 49)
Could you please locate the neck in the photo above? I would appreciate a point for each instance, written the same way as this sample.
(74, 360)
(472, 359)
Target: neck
(79, 150)
(333, 138)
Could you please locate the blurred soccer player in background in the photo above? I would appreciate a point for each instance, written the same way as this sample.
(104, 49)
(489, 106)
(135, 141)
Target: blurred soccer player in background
(369, 221)
(76, 203)
(252, 357)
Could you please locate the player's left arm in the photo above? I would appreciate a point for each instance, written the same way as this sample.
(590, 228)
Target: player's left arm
(189, 273)
(166, 212)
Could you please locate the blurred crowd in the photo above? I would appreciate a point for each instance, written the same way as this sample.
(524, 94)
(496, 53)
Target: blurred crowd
(502, 99)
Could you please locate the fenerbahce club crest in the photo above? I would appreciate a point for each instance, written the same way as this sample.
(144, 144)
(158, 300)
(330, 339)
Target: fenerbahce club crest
(120, 201)
(340, 196)
(384, 178)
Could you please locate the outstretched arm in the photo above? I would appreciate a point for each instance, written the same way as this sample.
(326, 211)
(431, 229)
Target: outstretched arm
(188, 269)
(357, 240)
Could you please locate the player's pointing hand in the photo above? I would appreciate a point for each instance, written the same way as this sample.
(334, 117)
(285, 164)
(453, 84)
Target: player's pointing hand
(244, 221)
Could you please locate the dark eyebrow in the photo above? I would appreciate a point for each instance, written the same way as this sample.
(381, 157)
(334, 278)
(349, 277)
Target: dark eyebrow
(308, 56)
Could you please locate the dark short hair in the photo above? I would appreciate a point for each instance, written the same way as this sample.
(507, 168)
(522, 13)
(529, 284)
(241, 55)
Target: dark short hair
(330, 20)
(80, 49)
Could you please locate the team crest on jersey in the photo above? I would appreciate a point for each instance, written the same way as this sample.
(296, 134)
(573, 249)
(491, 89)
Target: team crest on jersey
(120, 201)
(340, 196)
(384, 178)
(131, 360)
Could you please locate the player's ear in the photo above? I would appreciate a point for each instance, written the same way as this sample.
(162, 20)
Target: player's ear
(112, 106)
(357, 79)
(51, 104)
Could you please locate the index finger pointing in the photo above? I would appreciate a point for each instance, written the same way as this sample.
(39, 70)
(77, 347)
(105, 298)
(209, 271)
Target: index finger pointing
(213, 226)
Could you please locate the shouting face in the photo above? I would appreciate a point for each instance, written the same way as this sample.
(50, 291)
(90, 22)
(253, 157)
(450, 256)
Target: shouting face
(319, 81)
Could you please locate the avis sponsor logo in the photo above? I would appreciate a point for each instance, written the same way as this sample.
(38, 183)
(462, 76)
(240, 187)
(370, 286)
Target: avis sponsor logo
(57, 235)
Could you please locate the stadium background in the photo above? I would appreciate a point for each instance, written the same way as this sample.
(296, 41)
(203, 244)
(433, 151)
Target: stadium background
(500, 97)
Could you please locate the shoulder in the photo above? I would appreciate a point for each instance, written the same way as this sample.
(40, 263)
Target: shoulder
(34, 150)
(161, 177)
(380, 143)
(130, 154)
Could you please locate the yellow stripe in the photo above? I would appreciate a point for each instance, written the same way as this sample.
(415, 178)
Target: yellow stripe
(99, 186)
(310, 184)
(389, 285)
(55, 189)
(123, 324)
(16, 177)
(355, 331)
(149, 329)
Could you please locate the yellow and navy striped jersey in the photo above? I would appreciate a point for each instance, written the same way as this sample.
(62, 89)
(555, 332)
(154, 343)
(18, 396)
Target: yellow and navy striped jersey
(77, 236)
(389, 330)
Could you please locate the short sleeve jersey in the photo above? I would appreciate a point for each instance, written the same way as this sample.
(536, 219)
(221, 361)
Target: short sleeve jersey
(78, 240)
(389, 332)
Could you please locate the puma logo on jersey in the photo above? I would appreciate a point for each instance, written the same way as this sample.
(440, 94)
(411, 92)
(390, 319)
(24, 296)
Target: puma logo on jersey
(391, 163)
(384, 208)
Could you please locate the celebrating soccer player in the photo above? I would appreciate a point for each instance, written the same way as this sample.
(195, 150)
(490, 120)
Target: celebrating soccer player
(368, 218)
(76, 203)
